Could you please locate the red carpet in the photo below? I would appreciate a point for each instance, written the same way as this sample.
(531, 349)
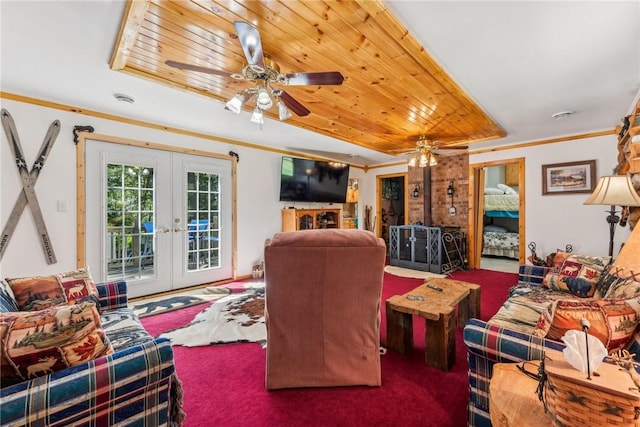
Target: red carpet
(224, 384)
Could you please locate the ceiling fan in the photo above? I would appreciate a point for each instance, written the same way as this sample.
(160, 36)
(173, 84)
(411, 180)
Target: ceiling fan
(265, 73)
(426, 151)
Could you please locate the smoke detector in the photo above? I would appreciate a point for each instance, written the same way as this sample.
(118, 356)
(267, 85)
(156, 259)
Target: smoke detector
(120, 97)
(562, 115)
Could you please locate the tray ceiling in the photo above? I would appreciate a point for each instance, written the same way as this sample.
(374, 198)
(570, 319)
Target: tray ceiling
(392, 93)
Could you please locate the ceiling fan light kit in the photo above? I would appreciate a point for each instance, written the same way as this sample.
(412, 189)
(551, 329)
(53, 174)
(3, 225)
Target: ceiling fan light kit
(423, 159)
(264, 72)
(428, 160)
(426, 152)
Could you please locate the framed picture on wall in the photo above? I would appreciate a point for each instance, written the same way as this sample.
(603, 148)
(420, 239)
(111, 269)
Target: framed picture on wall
(569, 178)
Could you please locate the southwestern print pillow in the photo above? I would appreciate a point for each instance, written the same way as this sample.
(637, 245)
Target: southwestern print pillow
(579, 275)
(620, 288)
(37, 343)
(555, 261)
(611, 321)
(40, 292)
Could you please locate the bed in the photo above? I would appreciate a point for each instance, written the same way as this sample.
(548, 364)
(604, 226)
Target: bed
(499, 240)
(501, 205)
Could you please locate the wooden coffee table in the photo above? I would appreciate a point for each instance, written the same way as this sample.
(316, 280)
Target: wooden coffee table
(438, 308)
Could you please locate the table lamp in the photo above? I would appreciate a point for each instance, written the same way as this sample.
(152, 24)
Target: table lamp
(614, 190)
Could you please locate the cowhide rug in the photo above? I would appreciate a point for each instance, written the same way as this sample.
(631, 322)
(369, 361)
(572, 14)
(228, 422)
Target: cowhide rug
(169, 302)
(233, 318)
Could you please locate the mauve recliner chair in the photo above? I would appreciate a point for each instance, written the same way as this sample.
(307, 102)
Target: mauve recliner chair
(322, 308)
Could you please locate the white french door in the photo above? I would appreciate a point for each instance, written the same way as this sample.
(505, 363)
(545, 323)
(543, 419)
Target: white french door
(201, 220)
(161, 220)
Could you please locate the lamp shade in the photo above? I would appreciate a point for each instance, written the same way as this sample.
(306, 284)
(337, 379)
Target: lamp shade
(614, 190)
(629, 257)
(257, 116)
(235, 103)
(283, 111)
(263, 99)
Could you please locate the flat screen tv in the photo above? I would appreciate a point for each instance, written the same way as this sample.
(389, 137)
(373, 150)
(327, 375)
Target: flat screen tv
(304, 180)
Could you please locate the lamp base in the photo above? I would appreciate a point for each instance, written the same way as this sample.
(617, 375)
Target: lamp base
(612, 219)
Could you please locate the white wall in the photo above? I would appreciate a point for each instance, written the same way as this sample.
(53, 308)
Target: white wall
(494, 176)
(258, 180)
(56, 183)
(553, 221)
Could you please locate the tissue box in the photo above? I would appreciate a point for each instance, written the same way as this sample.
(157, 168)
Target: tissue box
(609, 398)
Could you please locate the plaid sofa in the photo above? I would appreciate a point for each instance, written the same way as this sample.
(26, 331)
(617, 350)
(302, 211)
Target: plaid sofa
(488, 344)
(135, 385)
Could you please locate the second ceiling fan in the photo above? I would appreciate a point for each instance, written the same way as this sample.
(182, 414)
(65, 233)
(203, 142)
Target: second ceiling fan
(265, 73)
(426, 151)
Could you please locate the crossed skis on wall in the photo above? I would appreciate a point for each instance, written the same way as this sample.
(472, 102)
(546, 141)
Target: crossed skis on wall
(28, 195)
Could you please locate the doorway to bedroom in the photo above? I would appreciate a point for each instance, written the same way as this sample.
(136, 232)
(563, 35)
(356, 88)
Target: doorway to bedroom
(497, 215)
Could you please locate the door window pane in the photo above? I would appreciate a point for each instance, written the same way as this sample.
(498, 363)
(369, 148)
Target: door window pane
(203, 226)
(130, 222)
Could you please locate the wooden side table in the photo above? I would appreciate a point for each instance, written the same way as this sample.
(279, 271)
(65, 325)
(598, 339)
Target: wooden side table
(438, 309)
(513, 401)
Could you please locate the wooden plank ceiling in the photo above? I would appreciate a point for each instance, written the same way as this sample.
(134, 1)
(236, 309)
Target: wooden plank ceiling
(393, 91)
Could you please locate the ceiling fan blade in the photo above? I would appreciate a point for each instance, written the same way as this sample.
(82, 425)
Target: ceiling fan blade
(320, 78)
(249, 38)
(401, 151)
(183, 66)
(449, 151)
(293, 104)
(454, 147)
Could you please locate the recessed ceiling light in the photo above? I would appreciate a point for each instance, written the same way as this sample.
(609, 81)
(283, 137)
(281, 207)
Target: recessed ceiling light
(562, 115)
(124, 98)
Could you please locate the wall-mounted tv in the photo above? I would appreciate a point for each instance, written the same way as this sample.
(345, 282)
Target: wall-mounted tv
(304, 180)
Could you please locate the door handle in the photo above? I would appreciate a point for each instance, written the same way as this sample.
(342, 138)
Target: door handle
(178, 229)
(163, 230)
